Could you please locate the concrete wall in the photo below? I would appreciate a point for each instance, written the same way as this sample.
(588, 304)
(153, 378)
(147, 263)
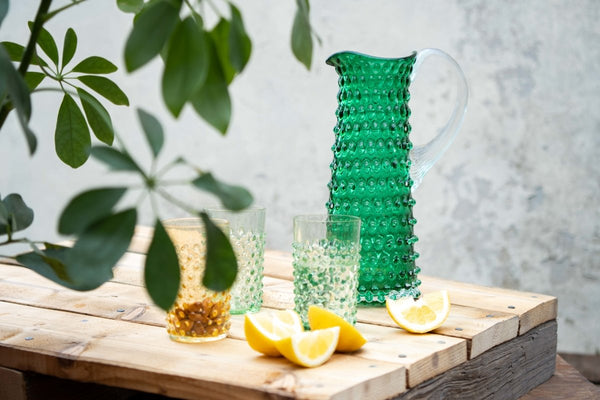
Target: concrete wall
(513, 203)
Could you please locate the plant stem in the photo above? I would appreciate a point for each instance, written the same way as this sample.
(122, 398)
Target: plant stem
(177, 202)
(29, 50)
(63, 8)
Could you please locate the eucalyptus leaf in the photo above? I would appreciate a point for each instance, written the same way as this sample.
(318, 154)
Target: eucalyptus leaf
(130, 6)
(221, 264)
(115, 159)
(88, 207)
(212, 99)
(47, 44)
(106, 88)
(231, 196)
(220, 38)
(186, 65)
(12, 82)
(153, 130)
(4, 217)
(16, 51)
(72, 137)
(302, 45)
(99, 247)
(151, 30)
(95, 65)
(161, 272)
(97, 116)
(17, 215)
(240, 45)
(33, 79)
(69, 46)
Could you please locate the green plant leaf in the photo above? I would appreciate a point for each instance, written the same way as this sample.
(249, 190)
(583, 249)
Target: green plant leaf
(115, 159)
(151, 30)
(130, 6)
(95, 65)
(33, 79)
(240, 45)
(161, 272)
(3, 10)
(97, 116)
(212, 100)
(88, 207)
(16, 51)
(302, 45)
(69, 46)
(231, 196)
(220, 38)
(4, 217)
(47, 44)
(153, 130)
(17, 214)
(221, 264)
(186, 65)
(106, 88)
(98, 249)
(12, 82)
(72, 137)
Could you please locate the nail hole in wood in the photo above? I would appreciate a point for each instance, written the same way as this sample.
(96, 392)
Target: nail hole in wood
(511, 307)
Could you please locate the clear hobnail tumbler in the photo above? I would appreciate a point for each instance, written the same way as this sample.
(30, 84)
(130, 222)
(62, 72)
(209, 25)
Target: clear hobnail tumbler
(326, 259)
(247, 235)
(199, 314)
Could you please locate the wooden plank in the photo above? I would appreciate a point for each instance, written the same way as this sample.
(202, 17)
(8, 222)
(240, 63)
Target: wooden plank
(566, 383)
(142, 357)
(12, 384)
(505, 372)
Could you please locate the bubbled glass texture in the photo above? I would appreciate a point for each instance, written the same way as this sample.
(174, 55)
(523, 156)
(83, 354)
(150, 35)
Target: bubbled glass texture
(370, 172)
(247, 289)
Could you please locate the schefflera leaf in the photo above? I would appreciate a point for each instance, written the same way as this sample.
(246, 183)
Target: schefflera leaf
(87, 207)
(161, 273)
(221, 264)
(232, 197)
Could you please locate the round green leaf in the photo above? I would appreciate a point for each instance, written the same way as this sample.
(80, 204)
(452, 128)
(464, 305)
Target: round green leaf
(16, 213)
(69, 46)
(161, 273)
(212, 99)
(50, 264)
(106, 88)
(87, 207)
(151, 29)
(3, 10)
(186, 65)
(221, 264)
(95, 65)
(72, 136)
(97, 116)
(130, 6)
(153, 130)
(220, 38)
(231, 196)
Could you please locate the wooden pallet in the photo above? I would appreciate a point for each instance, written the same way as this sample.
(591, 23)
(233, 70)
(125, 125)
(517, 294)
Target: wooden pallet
(495, 341)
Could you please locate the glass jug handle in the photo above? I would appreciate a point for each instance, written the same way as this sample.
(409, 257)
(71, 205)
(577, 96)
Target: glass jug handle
(423, 157)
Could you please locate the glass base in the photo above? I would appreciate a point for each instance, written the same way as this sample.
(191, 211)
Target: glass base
(197, 339)
(377, 298)
(241, 311)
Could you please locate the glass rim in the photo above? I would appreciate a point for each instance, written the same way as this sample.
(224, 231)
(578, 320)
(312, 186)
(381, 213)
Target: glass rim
(327, 218)
(190, 222)
(225, 209)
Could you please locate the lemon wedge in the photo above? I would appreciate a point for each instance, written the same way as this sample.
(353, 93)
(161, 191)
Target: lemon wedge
(309, 349)
(419, 316)
(350, 338)
(265, 328)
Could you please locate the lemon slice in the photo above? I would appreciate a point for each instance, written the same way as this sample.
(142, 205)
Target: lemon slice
(350, 338)
(265, 328)
(309, 349)
(419, 316)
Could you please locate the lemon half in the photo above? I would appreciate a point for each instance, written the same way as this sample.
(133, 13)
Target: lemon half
(309, 349)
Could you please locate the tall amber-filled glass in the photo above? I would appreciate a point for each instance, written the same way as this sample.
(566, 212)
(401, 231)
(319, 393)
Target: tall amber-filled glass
(375, 166)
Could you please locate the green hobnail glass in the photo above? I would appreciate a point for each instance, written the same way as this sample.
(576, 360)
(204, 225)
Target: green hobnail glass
(370, 172)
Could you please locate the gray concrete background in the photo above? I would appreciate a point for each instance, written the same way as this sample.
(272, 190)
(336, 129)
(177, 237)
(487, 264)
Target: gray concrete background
(513, 203)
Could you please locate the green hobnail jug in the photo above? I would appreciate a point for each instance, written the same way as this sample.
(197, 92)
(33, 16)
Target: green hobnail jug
(375, 166)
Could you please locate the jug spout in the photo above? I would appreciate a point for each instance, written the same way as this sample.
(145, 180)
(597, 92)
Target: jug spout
(351, 61)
